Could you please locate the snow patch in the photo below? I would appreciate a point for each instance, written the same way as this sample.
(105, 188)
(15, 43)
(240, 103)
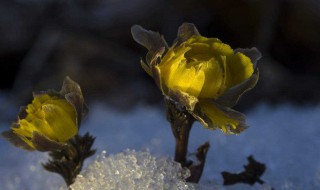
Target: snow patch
(132, 170)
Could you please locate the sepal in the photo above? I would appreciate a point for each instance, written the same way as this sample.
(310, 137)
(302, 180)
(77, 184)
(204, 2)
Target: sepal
(185, 31)
(73, 94)
(43, 144)
(231, 97)
(151, 40)
(253, 53)
(15, 140)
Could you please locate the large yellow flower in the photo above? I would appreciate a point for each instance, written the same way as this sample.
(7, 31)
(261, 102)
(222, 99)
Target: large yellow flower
(203, 67)
(203, 75)
(50, 120)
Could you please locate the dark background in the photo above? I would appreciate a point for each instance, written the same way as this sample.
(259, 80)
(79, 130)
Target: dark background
(42, 41)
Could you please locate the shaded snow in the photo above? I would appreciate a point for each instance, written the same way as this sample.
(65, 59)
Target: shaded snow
(284, 137)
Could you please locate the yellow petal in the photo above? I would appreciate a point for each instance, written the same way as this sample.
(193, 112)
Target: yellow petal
(231, 122)
(201, 39)
(61, 117)
(37, 103)
(25, 131)
(168, 56)
(174, 54)
(181, 77)
(198, 52)
(167, 73)
(25, 128)
(213, 40)
(215, 78)
(196, 83)
(239, 69)
(201, 49)
(171, 59)
(221, 49)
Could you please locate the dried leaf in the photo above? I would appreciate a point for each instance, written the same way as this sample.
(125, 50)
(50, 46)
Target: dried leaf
(197, 169)
(251, 175)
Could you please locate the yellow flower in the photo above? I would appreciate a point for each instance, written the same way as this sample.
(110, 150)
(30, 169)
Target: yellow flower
(203, 75)
(49, 116)
(203, 67)
(50, 120)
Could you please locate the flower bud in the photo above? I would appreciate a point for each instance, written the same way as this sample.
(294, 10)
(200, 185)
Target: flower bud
(50, 120)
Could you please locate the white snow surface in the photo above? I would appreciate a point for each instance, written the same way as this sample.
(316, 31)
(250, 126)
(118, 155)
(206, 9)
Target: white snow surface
(284, 137)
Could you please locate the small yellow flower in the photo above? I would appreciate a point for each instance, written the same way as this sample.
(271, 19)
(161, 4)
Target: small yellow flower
(49, 116)
(203, 75)
(50, 120)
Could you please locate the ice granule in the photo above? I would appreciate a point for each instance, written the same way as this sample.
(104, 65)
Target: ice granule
(132, 170)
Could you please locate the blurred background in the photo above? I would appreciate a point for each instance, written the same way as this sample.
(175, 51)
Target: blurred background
(42, 41)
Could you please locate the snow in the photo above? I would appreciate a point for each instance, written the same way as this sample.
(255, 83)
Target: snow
(133, 170)
(284, 137)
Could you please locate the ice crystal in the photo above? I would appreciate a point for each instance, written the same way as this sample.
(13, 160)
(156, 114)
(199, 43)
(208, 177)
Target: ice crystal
(132, 170)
